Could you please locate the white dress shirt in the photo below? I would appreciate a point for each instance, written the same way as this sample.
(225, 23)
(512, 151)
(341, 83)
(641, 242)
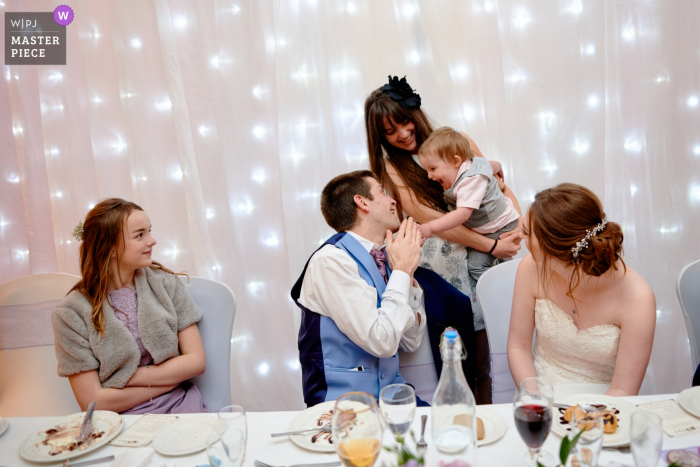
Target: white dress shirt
(333, 287)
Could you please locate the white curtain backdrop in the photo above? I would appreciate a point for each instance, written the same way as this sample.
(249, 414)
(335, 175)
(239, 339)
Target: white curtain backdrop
(224, 119)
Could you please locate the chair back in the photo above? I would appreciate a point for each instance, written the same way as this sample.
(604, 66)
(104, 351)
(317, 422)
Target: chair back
(218, 305)
(29, 383)
(494, 292)
(688, 290)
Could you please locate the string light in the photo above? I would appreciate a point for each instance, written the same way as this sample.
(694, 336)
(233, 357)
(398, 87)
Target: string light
(631, 144)
(629, 33)
(521, 18)
(180, 22)
(692, 101)
(135, 43)
(210, 213)
(592, 101)
(580, 146)
(633, 190)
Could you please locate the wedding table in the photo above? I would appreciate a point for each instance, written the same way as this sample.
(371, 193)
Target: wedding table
(507, 451)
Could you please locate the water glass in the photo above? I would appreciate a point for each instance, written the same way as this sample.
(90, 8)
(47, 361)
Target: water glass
(532, 410)
(398, 405)
(357, 429)
(646, 436)
(227, 447)
(587, 449)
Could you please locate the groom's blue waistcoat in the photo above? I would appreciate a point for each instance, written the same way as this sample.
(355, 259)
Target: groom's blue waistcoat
(329, 359)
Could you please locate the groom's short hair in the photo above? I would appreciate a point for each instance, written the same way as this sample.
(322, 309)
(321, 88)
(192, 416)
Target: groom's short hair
(338, 198)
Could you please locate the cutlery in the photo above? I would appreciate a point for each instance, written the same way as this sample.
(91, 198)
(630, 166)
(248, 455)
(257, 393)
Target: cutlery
(90, 462)
(86, 429)
(325, 464)
(560, 405)
(325, 428)
(422, 445)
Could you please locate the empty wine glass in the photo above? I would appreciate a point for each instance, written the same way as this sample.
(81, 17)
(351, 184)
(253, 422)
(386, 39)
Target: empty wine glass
(646, 436)
(357, 429)
(587, 449)
(398, 405)
(532, 410)
(226, 448)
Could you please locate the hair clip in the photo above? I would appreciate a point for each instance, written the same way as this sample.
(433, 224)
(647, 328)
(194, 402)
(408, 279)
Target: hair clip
(78, 231)
(400, 91)
(583, 243)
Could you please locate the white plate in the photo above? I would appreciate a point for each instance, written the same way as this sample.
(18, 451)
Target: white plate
(32, 448)
(689, 399)
(4, 424)
(186, 436)
(494, 425)
(621, 437)
(307, 419)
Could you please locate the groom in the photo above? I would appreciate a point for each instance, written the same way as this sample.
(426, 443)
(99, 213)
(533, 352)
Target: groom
(360, 301)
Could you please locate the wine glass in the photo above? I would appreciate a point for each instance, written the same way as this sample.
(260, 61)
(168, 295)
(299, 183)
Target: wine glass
(398, 405)
(646, 436)
(532, 410)
(357, 429)
(587, 449)
(226, 447)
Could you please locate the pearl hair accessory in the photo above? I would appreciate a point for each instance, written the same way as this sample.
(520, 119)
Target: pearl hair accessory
(583, 243)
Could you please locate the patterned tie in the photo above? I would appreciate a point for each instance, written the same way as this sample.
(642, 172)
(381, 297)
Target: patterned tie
(380, 258)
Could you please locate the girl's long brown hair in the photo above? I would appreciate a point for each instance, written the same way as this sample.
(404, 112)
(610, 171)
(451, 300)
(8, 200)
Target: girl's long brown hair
(559, 218)
(103, 232)
(381, 108)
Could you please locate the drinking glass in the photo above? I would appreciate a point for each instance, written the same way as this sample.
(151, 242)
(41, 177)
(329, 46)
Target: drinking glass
(646, 435)
(587, 449)
(398, 405)
(357, 429)
(532, 410)
(227, 447)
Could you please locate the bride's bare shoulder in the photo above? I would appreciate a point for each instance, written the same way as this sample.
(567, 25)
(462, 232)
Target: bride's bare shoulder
(636, 292)
(527, 274)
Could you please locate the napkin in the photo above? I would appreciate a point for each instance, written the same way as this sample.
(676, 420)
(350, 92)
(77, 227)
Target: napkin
(134, 457)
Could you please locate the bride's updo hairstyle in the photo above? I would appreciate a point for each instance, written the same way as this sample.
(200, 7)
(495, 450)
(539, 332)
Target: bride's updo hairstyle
(560, 218)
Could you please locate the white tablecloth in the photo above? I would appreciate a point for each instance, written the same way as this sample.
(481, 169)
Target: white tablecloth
(281, 451)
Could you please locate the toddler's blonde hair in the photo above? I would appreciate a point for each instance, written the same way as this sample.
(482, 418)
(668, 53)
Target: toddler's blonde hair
(446, 142)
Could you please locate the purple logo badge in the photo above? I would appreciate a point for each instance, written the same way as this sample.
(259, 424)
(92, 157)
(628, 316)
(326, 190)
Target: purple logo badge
(63, 15)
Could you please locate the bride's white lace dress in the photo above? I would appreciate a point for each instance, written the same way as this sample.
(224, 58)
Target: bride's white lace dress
(564, 354)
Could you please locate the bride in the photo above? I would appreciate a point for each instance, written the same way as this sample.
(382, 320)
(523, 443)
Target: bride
(594, 316)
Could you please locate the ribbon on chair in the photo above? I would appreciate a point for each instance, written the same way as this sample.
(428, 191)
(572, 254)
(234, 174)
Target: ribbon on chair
(502, 382)
(26, 325)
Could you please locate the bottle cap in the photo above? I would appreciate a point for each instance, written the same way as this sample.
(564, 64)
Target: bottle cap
(451, 335)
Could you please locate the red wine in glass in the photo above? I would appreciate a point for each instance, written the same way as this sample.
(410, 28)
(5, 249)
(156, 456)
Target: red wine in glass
(533, 422)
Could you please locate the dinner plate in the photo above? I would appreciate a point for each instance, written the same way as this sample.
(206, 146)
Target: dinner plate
(494, 425)
(689, 399)
(4, 424)
(33, 448)
(621, 437)
(186, 436)
(309, 418)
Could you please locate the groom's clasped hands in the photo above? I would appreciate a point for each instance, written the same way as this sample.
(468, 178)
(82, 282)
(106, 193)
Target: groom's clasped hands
(403, 252)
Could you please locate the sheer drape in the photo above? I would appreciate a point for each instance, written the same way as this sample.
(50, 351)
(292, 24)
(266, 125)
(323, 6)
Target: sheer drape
(225, 119)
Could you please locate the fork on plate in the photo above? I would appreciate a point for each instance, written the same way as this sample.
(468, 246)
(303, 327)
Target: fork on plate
(323, 464)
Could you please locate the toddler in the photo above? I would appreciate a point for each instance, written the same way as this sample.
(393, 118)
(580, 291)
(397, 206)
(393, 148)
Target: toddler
(471, 191)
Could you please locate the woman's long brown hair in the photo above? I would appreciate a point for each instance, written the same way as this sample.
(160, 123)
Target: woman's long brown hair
(559, 218)
(381, 108)
(103, 232)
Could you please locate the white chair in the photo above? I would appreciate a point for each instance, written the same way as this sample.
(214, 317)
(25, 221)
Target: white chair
(218, 305)
(494, 292)
(29, 384)
(688, 290)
